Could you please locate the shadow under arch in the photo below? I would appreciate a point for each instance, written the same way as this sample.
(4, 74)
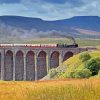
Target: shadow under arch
(30, 66)
(41, 65)
(67, 55)
(54, 59)
(19, 66)
(8, 66)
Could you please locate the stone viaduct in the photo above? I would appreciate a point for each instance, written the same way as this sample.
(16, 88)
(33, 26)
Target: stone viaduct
(29, 63)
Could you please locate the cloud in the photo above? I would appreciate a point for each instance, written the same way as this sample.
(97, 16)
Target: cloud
(53, 2)
(9, 9)
(71, 2)
(51, 9)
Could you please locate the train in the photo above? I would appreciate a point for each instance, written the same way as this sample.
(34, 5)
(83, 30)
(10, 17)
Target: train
(41, 45)
(75, 45)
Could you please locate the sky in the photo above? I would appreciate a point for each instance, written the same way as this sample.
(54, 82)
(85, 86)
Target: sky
(50, 9)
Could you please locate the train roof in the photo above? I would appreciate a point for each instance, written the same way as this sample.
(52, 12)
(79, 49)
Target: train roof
(12, 45)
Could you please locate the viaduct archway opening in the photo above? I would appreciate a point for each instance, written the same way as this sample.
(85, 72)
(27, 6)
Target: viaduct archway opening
(54, 60)
(67, 56)
(30, 66)
(8, 68)
(41, 65)
(19, 66)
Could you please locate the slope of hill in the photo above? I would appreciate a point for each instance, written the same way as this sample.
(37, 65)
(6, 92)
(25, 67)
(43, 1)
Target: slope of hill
(71, 65)
(84, 22)
(26, 27)
(74, 62)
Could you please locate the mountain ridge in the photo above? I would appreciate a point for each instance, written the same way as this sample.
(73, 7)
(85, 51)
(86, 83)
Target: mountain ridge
(77, 26)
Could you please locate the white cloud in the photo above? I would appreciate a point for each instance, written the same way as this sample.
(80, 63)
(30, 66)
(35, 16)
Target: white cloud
(51, 11)
(12, 9)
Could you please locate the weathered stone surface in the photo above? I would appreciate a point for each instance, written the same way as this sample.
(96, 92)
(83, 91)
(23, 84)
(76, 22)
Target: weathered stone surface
(28, 63)
(8, 68)
(54, 60)
(19, 66)
(30, 66)
(41, 65)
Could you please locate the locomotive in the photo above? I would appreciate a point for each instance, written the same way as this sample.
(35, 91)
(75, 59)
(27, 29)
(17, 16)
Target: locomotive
(67, 46)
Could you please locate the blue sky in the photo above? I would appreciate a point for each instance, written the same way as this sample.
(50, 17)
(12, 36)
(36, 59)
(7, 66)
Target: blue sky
(50, 9)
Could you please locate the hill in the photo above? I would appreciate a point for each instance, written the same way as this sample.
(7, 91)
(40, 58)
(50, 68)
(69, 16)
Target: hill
(76, 63)
(72, 65)
(18, 27)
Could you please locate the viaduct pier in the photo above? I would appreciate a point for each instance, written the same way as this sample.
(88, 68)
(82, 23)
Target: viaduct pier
(32, 62)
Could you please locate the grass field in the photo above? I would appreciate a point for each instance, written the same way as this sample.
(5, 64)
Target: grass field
(87, 89)
(81, 42)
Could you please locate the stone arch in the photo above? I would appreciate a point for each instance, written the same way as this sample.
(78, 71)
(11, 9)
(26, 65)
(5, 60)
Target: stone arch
(19, 66)
(8, 68)
(41, 65)
(67, 55)
(30, 66)
(0, 65)
(54, 59)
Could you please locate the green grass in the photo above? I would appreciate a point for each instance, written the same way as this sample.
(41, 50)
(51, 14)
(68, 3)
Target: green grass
(81, 42)
(88, 42)
(71, 65)
(75, 63)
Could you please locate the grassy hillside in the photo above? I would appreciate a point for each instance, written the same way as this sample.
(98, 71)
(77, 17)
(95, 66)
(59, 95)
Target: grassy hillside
(75, 66)
(51, 90)
(75, 63)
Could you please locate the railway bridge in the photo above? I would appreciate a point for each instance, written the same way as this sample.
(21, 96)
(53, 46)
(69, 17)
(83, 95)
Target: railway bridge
(28, 62)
